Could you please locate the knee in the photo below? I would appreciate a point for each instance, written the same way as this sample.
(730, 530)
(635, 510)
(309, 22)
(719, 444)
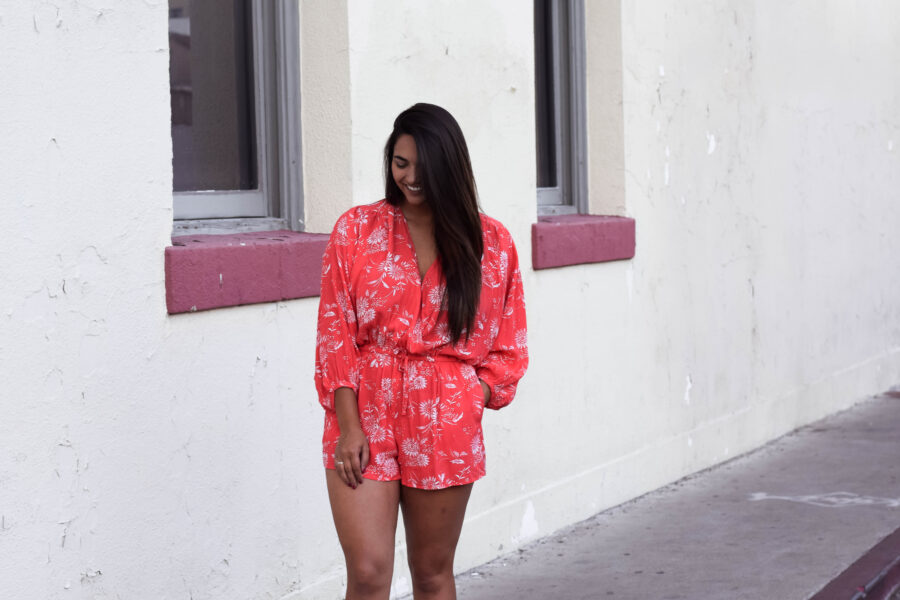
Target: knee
(431, 574)
(369, 577)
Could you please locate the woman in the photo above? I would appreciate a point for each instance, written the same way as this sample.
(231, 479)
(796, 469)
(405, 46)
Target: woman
(421, 326)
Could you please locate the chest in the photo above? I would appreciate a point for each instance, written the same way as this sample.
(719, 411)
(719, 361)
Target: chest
(423, 246)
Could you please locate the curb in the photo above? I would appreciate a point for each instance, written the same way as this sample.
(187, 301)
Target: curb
(875, 576)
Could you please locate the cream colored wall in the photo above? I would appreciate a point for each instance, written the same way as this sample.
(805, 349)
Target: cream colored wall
(469, 57)
(760, 165)
(325, 112)
(733, 324)
(141, 455)
(605, 113)
(760, 162)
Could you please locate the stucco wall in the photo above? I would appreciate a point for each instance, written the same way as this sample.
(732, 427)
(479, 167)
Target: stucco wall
(325, 112)
(145, 455)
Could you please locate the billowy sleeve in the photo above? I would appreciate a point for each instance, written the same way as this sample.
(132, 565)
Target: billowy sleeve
(506, 361)
(337, 354)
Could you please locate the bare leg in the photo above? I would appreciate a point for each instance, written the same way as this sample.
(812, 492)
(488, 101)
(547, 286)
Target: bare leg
(433, 521)
(366, 523)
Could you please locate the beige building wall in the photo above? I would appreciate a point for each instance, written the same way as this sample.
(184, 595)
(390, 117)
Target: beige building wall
(325, 112)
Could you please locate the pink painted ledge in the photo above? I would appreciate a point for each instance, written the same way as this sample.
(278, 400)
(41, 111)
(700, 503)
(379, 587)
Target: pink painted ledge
(214, 271)
(559, 241)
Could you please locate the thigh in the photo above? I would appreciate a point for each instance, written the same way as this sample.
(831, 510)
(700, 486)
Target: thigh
(365, 519)
(433, 521)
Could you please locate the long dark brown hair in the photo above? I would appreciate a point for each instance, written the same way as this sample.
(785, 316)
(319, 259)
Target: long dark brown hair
(445, 173)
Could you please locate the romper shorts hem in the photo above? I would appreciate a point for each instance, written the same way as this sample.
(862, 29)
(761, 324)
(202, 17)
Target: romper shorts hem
(417, 485)
(422, 420)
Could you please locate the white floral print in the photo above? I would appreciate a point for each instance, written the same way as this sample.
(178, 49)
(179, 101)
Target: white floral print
(383, 332)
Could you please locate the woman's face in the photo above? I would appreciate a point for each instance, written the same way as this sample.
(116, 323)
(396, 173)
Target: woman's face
(403, 169)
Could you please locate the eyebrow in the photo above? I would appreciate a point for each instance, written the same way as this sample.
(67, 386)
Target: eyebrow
(396, 156)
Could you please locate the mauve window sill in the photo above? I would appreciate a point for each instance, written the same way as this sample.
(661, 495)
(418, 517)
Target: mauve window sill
(559, 241)
(204, 272)
(214, 271)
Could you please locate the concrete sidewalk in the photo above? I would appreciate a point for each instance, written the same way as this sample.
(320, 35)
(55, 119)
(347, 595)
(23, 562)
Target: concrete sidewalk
(779, 523)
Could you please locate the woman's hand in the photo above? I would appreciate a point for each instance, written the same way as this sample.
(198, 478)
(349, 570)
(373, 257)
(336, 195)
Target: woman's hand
(351, 453)
(351, 456)
(485, 391)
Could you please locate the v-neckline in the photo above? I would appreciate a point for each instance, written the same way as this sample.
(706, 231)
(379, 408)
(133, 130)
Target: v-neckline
(415, 255)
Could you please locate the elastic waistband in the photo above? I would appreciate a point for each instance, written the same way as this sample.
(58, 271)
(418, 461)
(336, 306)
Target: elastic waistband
(405, 355)
(402, 358)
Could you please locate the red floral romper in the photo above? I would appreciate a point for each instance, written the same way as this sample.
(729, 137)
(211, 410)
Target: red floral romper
(381, 332)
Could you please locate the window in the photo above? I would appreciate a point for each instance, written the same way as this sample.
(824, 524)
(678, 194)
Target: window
(235, 115)
(559, 65)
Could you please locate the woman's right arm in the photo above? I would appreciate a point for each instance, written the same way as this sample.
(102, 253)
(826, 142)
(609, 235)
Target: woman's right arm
(351, 455)
(337, 354)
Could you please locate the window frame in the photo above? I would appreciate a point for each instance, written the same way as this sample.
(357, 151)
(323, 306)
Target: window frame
(277, 203)
(567, 44)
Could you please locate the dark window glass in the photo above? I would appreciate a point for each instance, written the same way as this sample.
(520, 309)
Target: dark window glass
(544, 98)
(210, 75)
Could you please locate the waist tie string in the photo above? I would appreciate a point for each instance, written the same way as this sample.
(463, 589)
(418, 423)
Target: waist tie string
(403, 367)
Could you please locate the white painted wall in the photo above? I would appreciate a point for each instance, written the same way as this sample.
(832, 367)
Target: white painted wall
(150, 456)
(143, 455)
(325, 112)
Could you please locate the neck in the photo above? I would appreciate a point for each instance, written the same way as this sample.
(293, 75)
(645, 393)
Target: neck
(419, 214)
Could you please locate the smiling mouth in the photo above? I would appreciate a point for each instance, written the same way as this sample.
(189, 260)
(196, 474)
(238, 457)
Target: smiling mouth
(413, 189)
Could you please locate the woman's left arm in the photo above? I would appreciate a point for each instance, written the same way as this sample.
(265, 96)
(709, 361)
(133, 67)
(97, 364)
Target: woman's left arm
(506, 361)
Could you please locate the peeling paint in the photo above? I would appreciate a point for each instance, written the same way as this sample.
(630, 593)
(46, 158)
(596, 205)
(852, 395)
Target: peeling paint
(529, 522)
(687, 389)
(710, 143)
(90, 574)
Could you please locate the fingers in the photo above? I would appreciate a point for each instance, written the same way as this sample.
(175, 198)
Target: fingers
(351, 460)
(356, 468)
(342, 463)
(346, 471)
(340, 469)
(365, 457)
